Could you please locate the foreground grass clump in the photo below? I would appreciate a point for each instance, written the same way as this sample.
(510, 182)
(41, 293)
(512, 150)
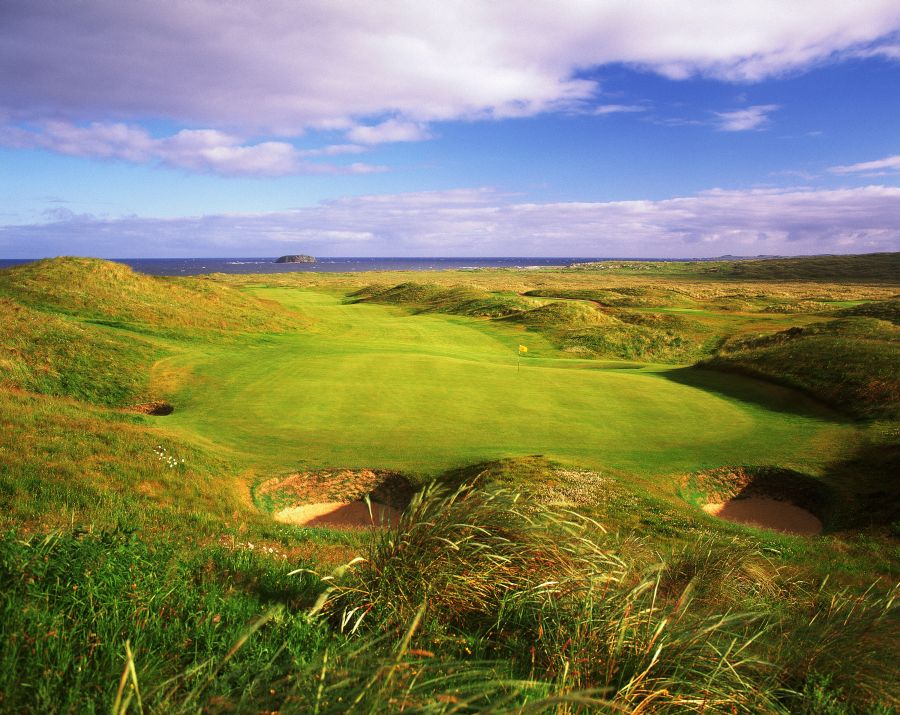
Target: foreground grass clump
(593, 620)
(475, 601)
(849, 363)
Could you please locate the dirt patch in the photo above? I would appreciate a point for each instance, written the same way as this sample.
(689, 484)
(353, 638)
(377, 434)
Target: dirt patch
(157, 408)
(336, 498)
(340, 515)
(765, 496)
(768, 513)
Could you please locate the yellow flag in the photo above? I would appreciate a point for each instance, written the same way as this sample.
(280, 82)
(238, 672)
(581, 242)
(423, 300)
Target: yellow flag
(523, 349)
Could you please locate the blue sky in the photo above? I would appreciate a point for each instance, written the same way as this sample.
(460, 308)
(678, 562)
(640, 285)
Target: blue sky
(389, 128)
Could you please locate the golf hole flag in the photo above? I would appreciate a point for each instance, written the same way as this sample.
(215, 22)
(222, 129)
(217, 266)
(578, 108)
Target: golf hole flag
(523, 349)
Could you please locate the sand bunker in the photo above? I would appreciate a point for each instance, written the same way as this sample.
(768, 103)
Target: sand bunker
(339, 514)
(336, 498)
(767, 513)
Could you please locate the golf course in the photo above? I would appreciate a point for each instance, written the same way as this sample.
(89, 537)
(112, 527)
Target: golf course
(374, 386)
(612, 487)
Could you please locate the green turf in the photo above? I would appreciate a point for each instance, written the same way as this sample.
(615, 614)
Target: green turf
(371, 385)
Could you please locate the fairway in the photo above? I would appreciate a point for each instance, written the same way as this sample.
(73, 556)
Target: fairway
(373, 386)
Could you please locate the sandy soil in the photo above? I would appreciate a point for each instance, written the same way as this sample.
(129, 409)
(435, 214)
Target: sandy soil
(768, 513)
(339, 514)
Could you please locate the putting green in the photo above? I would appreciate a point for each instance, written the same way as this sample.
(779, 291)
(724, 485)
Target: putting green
(372, 386)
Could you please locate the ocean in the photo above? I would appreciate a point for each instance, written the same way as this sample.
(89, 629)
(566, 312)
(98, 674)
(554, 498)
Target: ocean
(198, 266)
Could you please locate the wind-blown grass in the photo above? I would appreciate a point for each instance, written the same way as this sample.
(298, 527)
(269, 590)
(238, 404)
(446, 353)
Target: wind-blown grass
(584, 613)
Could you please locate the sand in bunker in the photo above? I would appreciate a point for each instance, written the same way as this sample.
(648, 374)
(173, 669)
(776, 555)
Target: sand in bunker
(339, 514)
(768, 513)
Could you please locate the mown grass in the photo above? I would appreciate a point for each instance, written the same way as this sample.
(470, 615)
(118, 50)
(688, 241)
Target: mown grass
(444, 391)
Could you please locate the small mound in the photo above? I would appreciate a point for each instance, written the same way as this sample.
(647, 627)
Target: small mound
(768, 513)
(157, 408)
(333, 514)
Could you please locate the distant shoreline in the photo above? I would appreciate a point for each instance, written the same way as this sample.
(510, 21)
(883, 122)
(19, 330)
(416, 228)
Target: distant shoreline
(266, 264)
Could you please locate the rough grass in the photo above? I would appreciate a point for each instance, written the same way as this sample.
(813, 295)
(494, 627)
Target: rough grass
(71, 604)
(851, 363)
(621, 296)
(55, 355)
(871, 267)
(67, 462)
(881, 309)
(567, 604)
(114, 294)
(456, 300)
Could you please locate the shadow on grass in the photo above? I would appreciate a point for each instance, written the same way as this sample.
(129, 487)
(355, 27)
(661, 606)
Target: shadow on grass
(868, 484)
(761, 393)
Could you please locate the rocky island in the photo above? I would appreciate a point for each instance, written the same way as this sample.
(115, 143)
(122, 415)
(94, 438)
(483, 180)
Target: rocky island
(296, 259)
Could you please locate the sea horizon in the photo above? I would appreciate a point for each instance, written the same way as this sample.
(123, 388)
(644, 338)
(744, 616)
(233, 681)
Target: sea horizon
(357, 264)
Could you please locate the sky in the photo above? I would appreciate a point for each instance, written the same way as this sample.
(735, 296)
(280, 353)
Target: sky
(610, 128)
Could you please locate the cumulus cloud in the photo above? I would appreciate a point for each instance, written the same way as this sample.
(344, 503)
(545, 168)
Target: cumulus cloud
(279, 66)
(891, 163)
(484, 222)
(204, 150)
(743, 120)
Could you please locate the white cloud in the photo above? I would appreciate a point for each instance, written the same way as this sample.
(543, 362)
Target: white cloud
(391, 130)
(891, 163)
(742, 120)
(885, 51)
(279, 66)
(605, 109)
(483, 222)
(204, 150)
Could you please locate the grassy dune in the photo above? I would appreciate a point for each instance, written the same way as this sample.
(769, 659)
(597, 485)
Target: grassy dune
(113, 294)
(851, 363)
(56, 355)
(137, 573)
